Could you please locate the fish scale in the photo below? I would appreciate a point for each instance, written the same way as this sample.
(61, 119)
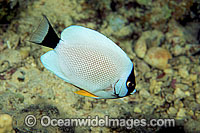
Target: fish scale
(88, 65)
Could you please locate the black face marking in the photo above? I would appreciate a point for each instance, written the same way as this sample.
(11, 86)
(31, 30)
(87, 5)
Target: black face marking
(130, 83)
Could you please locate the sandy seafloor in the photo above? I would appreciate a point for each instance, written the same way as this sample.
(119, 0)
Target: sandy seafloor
(160, 36)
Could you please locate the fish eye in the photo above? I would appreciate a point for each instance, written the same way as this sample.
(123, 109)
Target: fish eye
(129, 84)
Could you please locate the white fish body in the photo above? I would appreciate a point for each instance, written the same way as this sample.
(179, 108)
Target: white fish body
(92, 62)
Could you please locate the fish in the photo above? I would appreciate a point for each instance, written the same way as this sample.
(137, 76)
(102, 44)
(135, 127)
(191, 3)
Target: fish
(86, 59)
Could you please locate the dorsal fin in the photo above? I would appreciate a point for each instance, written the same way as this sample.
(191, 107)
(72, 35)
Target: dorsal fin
(45, 34)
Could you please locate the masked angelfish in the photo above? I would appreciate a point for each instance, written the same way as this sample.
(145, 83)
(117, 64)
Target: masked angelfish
(86, 59)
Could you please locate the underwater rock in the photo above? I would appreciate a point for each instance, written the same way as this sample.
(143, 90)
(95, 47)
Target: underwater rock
(158, 101)
(197, 88)
(123, 32)
(144, 93)
(11, 8)
(155, 101)
(157, 90)
(155, 38)
(180, 36)
(11, 55)
(198, 98)
(186, 49)
(197, 114)
(159, 15)
(190, 113)
(178, 104)
(148, 75)
(6, 124)
(183, 87)
(172, 111)
(147, 109)
(181, 114)
(191, 49)
(176, 34)
(137, 109)
(144, 2)
(187, 93)
(148, 39)
(18, 76)
(155, 87)
(127, 46)
(143, 67)
(193, 77)
(179, 93)
(192, 126)
(185, 61)
(24, 52)
(116, 22)
(190, 103)
(140, 47)
(118, 27)
(158, 57)
(170, 98)
(168, 71)
(139, 87)
(183, 72)
(177, 50)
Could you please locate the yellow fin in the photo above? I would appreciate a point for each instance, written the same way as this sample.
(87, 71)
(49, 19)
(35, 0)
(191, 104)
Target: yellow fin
(46, 49)
(85, 93)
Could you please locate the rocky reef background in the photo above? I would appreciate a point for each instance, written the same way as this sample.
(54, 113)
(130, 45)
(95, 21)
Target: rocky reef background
(161, 37)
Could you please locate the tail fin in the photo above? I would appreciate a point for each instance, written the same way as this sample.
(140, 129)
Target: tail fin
(45, 34)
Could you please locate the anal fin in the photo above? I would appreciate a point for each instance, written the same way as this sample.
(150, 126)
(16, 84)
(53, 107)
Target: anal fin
(85, 93)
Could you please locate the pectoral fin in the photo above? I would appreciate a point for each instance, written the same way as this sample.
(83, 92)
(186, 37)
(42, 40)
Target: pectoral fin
(85, 93)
